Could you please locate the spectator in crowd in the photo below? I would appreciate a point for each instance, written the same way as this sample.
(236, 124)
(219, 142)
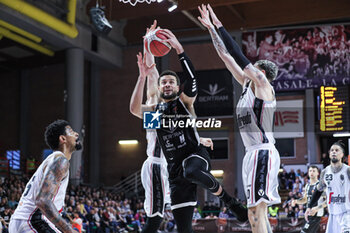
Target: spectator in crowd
(224, 213)
(77, 222)
(297, 186)
(196, 214)
(211, 216)
(325, 160)
(168, 221)
(5, 219)
(283, 179)
(273, 211)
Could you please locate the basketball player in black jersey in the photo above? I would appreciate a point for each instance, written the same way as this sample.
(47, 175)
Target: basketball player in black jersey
(188, 161)
(317, 210)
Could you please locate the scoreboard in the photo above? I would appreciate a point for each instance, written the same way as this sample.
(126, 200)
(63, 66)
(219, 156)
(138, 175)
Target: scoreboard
(334, 109)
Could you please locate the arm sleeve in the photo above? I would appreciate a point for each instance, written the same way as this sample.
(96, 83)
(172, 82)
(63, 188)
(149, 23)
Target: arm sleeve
(315, 196)
(189, 79)
(233, 48)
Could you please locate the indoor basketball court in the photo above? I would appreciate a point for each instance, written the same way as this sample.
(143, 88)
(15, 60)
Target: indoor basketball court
(182, 129)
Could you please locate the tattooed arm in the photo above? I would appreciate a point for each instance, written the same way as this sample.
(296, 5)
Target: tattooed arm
(315, 209)
(322, 185)
(316, 195)
(302, 200)
(54, 174)
(220, 47)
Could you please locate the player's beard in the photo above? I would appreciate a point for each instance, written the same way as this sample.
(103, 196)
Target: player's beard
(78, 145)
(168, 97)
(335, 160)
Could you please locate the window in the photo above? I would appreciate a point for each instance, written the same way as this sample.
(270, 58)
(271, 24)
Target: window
(14, 158)
(285, 147)
(220, 148)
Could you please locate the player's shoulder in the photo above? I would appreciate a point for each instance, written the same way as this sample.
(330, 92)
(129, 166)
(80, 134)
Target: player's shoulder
(58, 164)
(323, 172)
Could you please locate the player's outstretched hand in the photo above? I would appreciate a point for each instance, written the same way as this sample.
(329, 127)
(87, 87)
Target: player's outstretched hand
(204, 18)
(307, 214)
(314, 210)
(207, 142)
(144, 70)
(152, 28)
(215, 19)
(172, 40)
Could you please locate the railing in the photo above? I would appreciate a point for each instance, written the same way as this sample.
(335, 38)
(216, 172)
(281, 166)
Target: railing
(131, 185)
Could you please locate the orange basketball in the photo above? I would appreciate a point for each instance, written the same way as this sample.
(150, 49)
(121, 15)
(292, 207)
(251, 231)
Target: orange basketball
(155, 45)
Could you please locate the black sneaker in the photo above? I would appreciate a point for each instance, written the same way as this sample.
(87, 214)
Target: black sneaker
(238, 209)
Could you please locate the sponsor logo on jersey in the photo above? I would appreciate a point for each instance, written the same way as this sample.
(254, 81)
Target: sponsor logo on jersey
(336, 199)
(244, 120)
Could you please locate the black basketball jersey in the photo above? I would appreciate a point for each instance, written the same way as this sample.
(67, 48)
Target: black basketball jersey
(177, 142)
(310, 189)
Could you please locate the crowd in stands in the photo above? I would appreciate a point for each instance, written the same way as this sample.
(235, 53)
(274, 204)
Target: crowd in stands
(97, 210)
(313, 52)
(294, 182)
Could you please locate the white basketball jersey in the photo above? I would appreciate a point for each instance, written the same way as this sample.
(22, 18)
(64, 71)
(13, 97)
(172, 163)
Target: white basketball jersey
(338, 190)
(26, 206)
(153, 146)
(255, 118)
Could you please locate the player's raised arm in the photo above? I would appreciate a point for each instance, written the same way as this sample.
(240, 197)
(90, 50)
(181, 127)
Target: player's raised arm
(136, 106)
(189, 94)
(54, 174)
(220, 47)
(152, 77)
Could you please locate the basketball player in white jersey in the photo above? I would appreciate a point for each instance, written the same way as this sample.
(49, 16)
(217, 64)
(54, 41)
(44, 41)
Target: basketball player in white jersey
(255, 113)
(313, 223)
(43, 198)
(335, 179)
(154, 174)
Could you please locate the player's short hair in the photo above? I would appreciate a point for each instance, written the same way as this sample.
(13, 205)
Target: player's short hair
(315, 167)
(54, 131)
(271, 69)
(169, 72)
(341, 144)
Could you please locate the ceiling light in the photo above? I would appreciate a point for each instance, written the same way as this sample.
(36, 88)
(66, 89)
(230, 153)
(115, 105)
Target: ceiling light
(173, 7)
(159, 1)
(343, 134)
(128, 142)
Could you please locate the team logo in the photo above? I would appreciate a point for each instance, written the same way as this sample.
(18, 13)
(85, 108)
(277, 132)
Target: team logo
(261, 192)
(151, 120)
(342, 180)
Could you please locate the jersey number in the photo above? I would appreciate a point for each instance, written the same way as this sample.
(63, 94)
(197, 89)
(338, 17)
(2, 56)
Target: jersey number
(28, 187)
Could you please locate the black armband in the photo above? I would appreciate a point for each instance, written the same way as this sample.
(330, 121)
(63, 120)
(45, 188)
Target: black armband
(233, 48)
(189, 78)
(314, 199)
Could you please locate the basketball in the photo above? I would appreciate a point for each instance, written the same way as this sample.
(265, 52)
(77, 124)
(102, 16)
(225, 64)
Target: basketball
(155, 45)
